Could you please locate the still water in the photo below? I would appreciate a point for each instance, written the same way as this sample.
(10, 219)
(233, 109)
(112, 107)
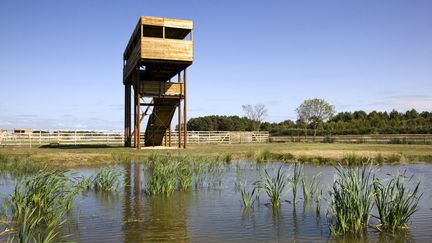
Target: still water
(215, 214)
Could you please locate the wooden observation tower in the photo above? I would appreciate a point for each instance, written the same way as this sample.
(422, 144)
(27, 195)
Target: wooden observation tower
(155, 62)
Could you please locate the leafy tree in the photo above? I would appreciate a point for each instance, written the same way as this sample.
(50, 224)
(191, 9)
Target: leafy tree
(313, 112)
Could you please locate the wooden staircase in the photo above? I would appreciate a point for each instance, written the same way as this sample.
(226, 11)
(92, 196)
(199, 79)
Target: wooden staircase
(160, 120)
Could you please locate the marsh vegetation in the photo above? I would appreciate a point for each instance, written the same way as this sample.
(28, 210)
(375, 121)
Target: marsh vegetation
(43, 203)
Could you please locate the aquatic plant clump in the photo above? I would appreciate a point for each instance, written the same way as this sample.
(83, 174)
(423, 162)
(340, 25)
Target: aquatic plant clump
(107, 179)
(38, 205)
(273, 186)
(352, 201)
(395, 203)
(166, 174)
(247, 197)
(18, 165)
(310, 188)
(295, 180)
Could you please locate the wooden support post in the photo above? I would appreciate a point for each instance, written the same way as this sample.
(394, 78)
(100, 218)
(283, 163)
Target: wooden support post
(184, 110)
(179, 124)
(170, 135)
(135, 117)
(127, 128)
(138, 98)
(179, 117)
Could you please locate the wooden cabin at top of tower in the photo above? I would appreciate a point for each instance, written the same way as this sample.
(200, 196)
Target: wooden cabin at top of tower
(159, 47)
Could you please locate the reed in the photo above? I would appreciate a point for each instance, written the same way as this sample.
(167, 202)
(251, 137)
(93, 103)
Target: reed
(185, 173)
(215, 172)
(167, 173)
(162, 175)
(107, 179)
(18, 165)
(121, 158)
(38, 205)
(318, 200)
(295, 180)
(250, 155)
(227, 158)
(264, 156)
(310, 188)
(354, 159)
(395, 203)
(247, 197)
(393, 158)
(352, 201)
(273, 186)
(379, 158)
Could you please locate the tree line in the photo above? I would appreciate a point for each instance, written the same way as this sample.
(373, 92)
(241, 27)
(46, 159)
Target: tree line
(317, 117)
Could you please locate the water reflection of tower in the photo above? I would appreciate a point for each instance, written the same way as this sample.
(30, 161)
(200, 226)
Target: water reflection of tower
(152, 218)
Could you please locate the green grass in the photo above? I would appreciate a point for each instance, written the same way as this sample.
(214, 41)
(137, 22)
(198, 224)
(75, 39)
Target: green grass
(38, 205)
(121, 158)
(295, 180)
(352, 201)
(166, 173)
(264, 156)
(354, 159)
(107, 179)
(162, 175)
(317, 153)
(310, 188)
(393, 158)
(247, 197)
(273, 186)
(18, 165)
(227, 158)
(395, 203)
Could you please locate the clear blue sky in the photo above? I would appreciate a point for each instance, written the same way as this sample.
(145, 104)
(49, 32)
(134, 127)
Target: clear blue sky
(61, 61)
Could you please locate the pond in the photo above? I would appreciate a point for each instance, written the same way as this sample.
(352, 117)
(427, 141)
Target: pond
(213, 212)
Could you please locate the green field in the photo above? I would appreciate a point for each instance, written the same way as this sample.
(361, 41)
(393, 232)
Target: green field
(290, 152)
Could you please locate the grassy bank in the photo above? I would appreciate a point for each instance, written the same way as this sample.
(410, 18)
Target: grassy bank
(304, 152)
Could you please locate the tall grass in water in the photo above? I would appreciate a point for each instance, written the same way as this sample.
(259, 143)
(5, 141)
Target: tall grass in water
(264, 156)
(38, 205)
(295, 180)
(310, 188)
(273, 186)
(395, 203)
(18, 165)
(354, 159)
(318, 199)
(107, 179)
(162, 174)
(352, 200)
(166, 173)
(185, 173)
(122, 158)
(227, 158)
(248, 197)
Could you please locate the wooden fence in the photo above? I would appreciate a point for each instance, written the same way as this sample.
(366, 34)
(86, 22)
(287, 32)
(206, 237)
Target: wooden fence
(377, 138)
(116, 138)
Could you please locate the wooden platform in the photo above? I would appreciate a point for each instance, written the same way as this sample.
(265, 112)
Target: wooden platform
(159, 40)
(155, 62)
